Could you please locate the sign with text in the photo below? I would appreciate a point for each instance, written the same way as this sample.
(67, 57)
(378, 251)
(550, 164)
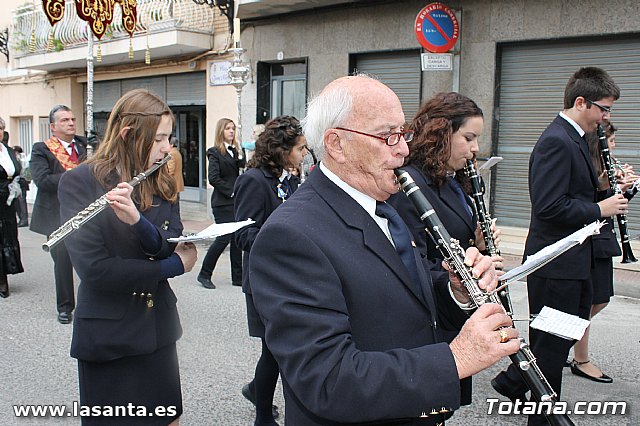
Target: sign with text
(437, 62)
(437, 28)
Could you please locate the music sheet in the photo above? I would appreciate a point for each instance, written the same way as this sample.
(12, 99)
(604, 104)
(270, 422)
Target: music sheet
(560, 323)
(212, 231)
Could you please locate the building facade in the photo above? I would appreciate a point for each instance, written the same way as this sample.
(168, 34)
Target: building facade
(513, 57)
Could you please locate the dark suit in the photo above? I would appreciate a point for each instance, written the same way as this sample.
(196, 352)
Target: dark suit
(224, 169)
(110, 321)
(356, 339)
(562, 187)
(46, 171)
(460, 224)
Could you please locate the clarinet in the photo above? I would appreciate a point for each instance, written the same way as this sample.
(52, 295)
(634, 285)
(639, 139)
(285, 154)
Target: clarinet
(627, 254)
(93, 209)
(453, 254)
(485, 221)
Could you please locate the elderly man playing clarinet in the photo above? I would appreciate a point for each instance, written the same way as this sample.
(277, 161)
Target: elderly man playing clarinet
(352, 313)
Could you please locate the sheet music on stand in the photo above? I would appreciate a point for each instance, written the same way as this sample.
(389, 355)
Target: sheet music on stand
(561, 324)
(547, 254)
(212, 231)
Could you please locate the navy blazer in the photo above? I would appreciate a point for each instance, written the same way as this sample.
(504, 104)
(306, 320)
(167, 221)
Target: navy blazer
(112, 318)
(458, 223)
(223, 172)
(562, 188)
(255, 197)
(46, 171)
(356, 340)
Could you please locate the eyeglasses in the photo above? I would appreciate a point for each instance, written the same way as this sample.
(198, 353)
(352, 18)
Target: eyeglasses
(602, 107)
(391, 139)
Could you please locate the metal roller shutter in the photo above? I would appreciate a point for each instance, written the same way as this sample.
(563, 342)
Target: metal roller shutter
(531, 91)
(157, 85)
(105, 95)
(187, 89)
(400, 71)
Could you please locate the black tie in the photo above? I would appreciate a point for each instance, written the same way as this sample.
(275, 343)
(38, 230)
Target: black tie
(401, 239)
(457, 189)
(232, 150)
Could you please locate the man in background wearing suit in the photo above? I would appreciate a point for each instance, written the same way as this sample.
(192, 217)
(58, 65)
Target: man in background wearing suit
(562, 188)
(356, 331)
(49, 160)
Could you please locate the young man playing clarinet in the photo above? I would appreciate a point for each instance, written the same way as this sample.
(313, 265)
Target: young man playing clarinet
(562, 187)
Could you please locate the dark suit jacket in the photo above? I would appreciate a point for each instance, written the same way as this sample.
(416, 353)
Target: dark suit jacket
(458, 223)
(562, 187)
(223, 172)
(110, 320)
(46, 171)
(356, 340)
(255, 197)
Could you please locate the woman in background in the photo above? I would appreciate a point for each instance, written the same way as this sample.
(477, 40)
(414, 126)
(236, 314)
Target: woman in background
(126, 323)
(258, 192)
(225, 161)
(605, 246)
(10, 262)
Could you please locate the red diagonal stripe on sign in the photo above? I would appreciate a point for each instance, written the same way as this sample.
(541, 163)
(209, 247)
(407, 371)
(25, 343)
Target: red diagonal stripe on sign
(437, 27)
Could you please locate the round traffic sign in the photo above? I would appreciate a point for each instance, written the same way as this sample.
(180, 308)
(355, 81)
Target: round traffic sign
(437, 28)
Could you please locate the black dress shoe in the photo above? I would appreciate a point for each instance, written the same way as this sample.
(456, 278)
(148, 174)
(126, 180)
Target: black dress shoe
(576, 370)
(4, 293)
(22, 224)
(237, 283)
(206, 282)
(65, 317)
(504, 392)
(246, 392)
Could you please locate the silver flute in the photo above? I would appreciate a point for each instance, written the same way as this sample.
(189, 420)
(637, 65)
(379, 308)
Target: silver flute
(93, 209)
(453, 255)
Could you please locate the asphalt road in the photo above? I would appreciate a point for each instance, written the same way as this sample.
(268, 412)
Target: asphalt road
(217, 357)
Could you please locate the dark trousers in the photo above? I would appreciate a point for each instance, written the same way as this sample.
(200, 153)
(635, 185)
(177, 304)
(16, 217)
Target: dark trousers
(63, 272)
(569, 296)
(223, 214)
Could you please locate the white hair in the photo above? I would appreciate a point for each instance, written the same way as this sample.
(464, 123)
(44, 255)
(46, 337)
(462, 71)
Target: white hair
(327, 110)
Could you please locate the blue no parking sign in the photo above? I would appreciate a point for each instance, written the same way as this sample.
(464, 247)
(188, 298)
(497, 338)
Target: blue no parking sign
(437, 28)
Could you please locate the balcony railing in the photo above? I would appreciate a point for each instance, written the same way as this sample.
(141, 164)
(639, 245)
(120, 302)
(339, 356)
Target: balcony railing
(31, 31)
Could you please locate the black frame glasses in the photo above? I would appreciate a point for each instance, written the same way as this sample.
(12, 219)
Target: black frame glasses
(602, 107)
(390, 140)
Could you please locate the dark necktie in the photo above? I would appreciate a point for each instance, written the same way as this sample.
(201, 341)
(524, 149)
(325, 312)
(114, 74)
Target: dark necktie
(401, 239)
(457, 189)
(74, 154)
(232, 151)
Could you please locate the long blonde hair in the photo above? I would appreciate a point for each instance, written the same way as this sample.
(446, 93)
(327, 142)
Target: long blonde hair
(219, 141)
(121, 158)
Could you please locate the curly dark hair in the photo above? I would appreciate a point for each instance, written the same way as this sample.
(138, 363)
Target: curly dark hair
(434, 124)
(274, 145)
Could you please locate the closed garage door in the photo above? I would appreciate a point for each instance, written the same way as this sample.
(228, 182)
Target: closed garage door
(401, 71)
(531, 91)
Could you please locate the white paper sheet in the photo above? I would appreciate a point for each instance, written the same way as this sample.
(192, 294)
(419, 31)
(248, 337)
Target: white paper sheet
(490, 163)
(567, 326)
(213, 231)
(547, 254)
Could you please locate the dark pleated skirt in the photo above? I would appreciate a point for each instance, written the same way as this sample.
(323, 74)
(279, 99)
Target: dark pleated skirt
(150, 380)
(602, 278)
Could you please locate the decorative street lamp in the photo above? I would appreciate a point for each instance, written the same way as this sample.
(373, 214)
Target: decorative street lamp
(238, 73)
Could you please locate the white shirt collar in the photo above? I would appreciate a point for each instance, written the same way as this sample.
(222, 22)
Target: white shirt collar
(573, 123)
(285, 174)
(368, 203)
